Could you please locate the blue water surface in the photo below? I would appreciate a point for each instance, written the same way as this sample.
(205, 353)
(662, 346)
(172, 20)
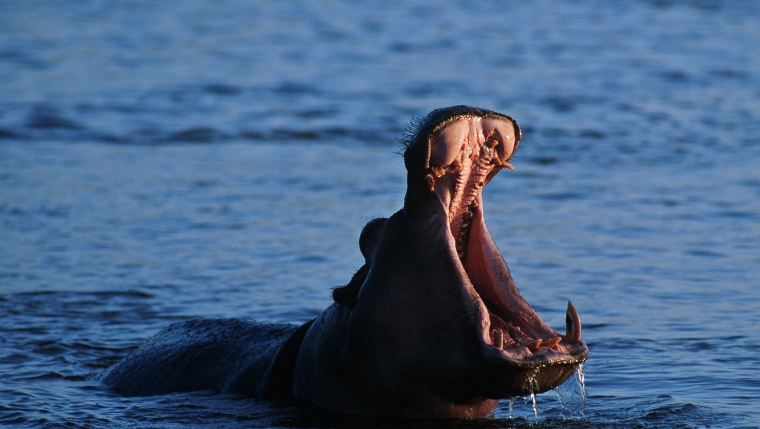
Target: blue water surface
(161, 161)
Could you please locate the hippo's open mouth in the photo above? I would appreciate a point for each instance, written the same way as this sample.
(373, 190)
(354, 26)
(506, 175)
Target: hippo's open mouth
(465, 152)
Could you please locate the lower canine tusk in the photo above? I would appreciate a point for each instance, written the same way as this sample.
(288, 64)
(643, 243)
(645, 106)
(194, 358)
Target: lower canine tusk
(572, 324)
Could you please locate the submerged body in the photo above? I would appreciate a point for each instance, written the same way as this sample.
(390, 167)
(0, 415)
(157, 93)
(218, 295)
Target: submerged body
(431, 326)
(224, 354)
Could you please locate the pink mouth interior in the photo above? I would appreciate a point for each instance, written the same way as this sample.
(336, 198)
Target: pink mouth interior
(465, 154)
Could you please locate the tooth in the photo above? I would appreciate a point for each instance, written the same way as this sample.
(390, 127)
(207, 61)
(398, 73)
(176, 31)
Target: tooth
(498, 338)
(573, 324)
(430, 181)
(508, 165)
(533, 345)
(551, 342)
(437, 171)
(492, 143)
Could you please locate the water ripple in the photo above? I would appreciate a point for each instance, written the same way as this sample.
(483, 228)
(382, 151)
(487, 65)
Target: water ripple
(161, 161)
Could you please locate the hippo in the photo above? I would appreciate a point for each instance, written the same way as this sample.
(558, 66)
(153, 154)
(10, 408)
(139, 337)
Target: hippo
(431, 326)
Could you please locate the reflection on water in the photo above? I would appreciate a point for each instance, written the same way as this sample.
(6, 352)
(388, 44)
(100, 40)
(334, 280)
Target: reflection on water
(163, 161)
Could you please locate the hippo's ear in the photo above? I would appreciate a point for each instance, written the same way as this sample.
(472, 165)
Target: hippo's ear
(346, 295)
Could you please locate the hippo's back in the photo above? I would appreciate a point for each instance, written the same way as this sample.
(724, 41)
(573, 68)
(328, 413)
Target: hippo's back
(223, 354)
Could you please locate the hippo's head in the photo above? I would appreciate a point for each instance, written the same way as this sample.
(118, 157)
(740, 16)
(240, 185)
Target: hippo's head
(433, 325)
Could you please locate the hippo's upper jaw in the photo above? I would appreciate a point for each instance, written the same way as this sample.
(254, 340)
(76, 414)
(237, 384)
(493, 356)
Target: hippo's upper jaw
(432, 325)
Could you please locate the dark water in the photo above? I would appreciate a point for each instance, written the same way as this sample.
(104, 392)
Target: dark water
(167, 160)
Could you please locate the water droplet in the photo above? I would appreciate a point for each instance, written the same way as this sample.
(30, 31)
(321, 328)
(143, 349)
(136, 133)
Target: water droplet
(535, 406)
(572, 394)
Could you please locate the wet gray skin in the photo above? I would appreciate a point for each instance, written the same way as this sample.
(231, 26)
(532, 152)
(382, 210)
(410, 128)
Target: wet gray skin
(431, 326)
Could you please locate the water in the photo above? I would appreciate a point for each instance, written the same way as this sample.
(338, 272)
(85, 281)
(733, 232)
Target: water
(167, 160)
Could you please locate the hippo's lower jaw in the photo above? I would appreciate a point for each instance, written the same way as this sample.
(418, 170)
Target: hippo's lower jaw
(543, 366)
